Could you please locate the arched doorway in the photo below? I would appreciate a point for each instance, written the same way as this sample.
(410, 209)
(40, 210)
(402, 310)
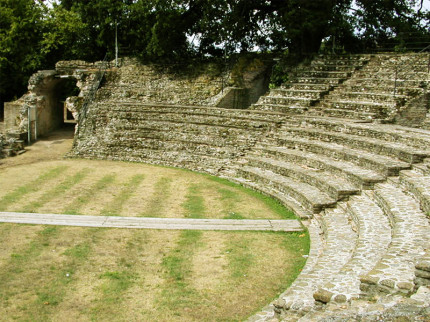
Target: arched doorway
(55, 115)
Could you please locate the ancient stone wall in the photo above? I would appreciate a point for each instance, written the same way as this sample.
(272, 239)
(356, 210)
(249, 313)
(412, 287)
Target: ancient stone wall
(200, 83)
(198, 138)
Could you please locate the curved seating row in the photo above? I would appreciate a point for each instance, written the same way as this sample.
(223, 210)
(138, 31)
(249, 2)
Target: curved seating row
(357, 165)
(361, 188)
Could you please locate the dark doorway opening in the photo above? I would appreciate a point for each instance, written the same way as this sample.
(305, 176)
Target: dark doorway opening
(66, 88)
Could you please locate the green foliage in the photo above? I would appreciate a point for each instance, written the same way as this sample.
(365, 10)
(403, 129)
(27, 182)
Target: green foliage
(20, 34)
(33, 36)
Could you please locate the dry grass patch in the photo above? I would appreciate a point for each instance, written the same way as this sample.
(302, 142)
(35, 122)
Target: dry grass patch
(87, 274)
(129, 189)
(121, 274)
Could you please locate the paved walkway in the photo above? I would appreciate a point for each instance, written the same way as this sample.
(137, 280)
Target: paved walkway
(150, 223)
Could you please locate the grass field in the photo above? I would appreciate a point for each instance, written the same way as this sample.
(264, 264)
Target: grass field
(50, 273)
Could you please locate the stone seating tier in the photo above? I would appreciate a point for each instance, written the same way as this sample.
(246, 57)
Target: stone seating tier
(395, 271)
(379, 89)
(308, 84)
(417, 184)
(191, 137)
(361, 188)
(303, 153)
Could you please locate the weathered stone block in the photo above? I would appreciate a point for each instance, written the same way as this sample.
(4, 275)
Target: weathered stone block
(323, 295)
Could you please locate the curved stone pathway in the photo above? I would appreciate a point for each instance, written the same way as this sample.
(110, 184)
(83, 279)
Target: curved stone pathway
(151, 223)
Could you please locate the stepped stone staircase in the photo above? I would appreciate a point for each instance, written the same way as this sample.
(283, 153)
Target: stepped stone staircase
(366, 87)
(361, 188)
(310, 83)
(380, 89)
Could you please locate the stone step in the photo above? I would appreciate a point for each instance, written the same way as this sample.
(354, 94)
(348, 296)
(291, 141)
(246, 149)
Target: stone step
(378, 81)
(379, 88)
(360, 177)
(294, 109)
(423, 168)
(175, 112)
(422, 273)
(278, 100)
(284, 199)
(419, 186)
(165, 129)
(324, 74)
(302, 93)
(330, 67)
(337, 251)
(374, 235)
(412, 72)
(385, 165)
(146, 146)
(334, 81)
(359, 106)
(394, 272)
(178, 156)
(393, 133)
(391, 149)
(341, 59)
(344, 113)
(336, 188)
(311, 198)
(147, 136)
(368, 96)
(302, 87)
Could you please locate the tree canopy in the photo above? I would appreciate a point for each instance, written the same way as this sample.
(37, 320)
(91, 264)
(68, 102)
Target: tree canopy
(34, 35)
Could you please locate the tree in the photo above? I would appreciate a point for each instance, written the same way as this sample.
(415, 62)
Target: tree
(20, 36)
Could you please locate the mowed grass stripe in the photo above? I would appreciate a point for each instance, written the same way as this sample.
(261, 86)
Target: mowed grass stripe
(12, 274)
(16, 195)
(88, 195)
(14, 238)
(56, 192)
(53, 273)
(126, 191)
(247, 203)
(159, 198)
(177, 291)
(119, 278)
(194, 204)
